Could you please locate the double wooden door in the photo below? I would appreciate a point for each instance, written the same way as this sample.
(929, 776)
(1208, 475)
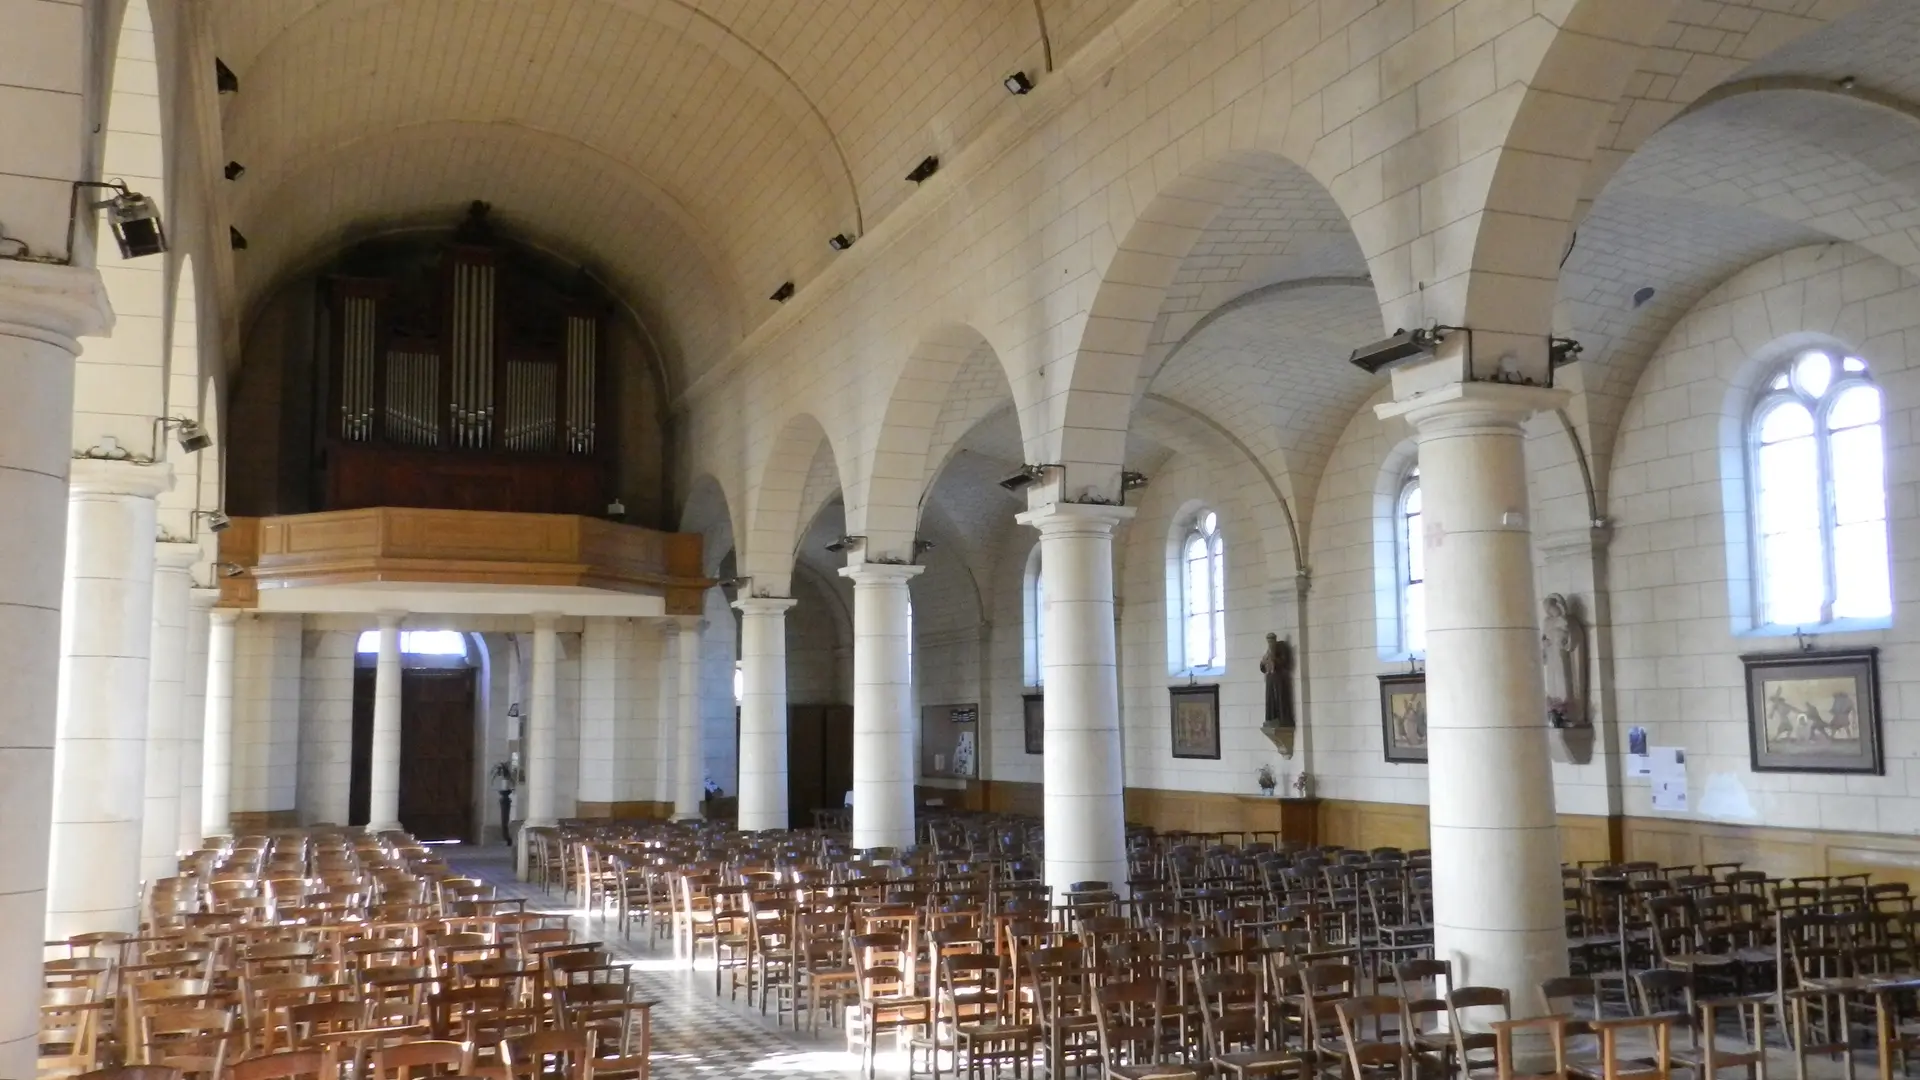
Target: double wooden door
(436, 751)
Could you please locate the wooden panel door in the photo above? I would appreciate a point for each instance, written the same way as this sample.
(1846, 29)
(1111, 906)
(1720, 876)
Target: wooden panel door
(362, 766)
(436, 753)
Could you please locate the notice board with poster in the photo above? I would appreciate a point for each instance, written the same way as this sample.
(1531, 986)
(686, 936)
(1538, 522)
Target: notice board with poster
(950, 741)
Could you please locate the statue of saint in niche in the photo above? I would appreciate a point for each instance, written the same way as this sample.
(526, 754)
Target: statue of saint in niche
(1277, 721)
(1563, 649)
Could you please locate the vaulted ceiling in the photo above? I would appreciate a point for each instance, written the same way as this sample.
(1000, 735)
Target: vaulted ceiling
(696, 153)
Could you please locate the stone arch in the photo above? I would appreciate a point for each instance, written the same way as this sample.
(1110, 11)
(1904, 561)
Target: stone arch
(120, 381)
(888, 511)
(774, 511)
(1487, 253)
(709, 512)
(1089, 396)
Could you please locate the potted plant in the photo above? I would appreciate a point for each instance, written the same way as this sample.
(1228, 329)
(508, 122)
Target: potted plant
(1267, 780)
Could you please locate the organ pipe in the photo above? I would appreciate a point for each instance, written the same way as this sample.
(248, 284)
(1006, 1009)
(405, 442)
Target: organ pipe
(581, 346)
(357, 350)
(472, 349)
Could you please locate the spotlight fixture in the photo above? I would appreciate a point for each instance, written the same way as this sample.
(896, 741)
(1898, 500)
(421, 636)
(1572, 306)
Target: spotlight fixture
(846, 542)
(617, 510)
(1641, 295)
(1404, 345)
(734, 582)
(1026, 477)
(192, 437)
(235, 170)
(921, 547)
(927, 167)
(840, 241)
(1132, 481)
(238, 241)
(217, 521)
(133, 217)
(1846, 82)
(783, 294)
(224, 79)
(1562, 351)
(228, 569)
(1017, 83)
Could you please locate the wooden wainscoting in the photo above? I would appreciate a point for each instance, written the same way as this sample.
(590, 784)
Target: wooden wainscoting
(638, 809)
(1782, 852)
(255, 821)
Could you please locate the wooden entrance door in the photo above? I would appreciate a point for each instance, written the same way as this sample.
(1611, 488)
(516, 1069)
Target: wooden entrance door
(436, 751)
(819, 760)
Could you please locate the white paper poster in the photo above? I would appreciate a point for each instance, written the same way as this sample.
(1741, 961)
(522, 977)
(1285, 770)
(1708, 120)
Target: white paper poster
(1669, 778)
(1639, 763)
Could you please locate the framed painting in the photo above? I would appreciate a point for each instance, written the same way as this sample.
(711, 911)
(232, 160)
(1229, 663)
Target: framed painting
(1196, 721)
(1815, 711)
(1403, 718)
(1035, 714)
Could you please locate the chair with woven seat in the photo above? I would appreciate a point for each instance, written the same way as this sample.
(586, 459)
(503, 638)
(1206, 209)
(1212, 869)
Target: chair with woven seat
(1237, 1038)
(286, 1065)
(1371, 1037)
(883, 968)
(1471, 1013)
(547, 1055)
(195, 1041)
(1130, 1017)
(423, 1057)
(70, 1023)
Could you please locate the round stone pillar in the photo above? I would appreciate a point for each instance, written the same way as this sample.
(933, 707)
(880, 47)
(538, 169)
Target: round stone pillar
(763, 711)
(383, 776)
(193, 718)
(166, 703)
(1085, 781)
(100, 754)
(42, 310)
(883, 765)
(1495, 838)
(216, 749)
(690, 750)
(541, 734)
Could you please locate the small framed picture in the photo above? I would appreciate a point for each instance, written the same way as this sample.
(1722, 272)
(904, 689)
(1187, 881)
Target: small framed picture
(1196, 721)
(1035, 712)
(1815, 711)
(1403, 718)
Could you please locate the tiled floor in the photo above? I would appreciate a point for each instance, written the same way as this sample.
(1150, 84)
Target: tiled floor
(695, 1035)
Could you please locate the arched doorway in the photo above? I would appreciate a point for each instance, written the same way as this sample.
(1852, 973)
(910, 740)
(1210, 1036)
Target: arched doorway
(438, 696)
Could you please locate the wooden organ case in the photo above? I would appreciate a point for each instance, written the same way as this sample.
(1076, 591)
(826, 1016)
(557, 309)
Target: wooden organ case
(467, 385)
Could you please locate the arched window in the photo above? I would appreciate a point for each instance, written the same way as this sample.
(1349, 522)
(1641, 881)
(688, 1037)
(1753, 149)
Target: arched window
(1201, 570)
(419, 642)
(1034, 604)
(1819, 494)
(1410, 563)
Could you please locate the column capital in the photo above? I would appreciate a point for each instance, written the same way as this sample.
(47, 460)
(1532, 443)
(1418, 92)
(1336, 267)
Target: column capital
(689, 624)
(764, 605)
(1578, 543)
(52, 304)
(224, 616)
(1076, 519)
(546, 620)
(203, 599)
(389, 619)
(175, 555)
(881, 573)
(101, 476)
(1466, 406)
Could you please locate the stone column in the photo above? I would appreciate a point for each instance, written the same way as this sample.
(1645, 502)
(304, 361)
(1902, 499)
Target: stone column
(166, 702)
(1085, 782)
(216, 752)
(690, 746)
(1495, 839)
(763, 711)
(193, 718)
(541, 733)
(100, 754)
(383, 777)
(883, 729)
(42, 309)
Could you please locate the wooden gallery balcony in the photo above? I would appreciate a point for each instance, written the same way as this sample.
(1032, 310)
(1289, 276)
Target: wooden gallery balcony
(458, 562)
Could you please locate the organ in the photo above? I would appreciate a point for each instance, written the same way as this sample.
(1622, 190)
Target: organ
(467, 381)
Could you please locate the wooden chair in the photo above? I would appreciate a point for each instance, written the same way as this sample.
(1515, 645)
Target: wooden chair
(70, 1022)
(286, 1065)
(1633, 1030)
(194, 1041)
(425, 1057)
(1474, 1048)
(883, 968)
(1237, 1038)
(1370, 1037)
(547, 1055)
(1553, 1028)
(132, 1072)
(1130, 1019)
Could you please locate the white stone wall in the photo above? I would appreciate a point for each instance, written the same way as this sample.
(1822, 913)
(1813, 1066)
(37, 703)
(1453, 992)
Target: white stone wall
(1676, 567)
(718, 645)
(266, 712)
(326, 725)
(619, 706)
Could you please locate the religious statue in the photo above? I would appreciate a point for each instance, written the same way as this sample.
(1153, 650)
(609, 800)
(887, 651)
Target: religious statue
(1277, 721)
(1563, 649)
